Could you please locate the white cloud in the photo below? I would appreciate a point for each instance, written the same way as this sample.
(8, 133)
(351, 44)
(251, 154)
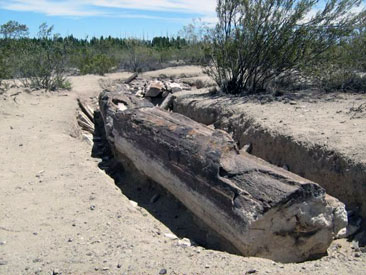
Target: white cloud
(210, 20)
(204, 8)
(52, 8)
(191, 6)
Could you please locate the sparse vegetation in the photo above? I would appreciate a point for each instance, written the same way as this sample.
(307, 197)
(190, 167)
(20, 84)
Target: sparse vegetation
(256, 42)
(343, 66)
(44, 62)
(257, 46)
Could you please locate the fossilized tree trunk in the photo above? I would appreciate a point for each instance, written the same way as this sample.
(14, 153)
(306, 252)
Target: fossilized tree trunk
(260, 209)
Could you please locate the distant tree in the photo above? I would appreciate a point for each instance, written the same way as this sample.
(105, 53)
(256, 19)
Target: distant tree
(45, 31)
(194, 32)
(13, 29)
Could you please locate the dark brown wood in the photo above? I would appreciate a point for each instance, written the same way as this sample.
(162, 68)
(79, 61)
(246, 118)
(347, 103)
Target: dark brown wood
(260, 209)
(167, 103)
(131, 78)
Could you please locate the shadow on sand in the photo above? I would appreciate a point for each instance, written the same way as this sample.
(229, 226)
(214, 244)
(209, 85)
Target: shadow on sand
(154, 198)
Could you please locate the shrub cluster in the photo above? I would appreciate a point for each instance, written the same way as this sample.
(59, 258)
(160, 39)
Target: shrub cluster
(45, 61)
(256, 46)
(257, 42)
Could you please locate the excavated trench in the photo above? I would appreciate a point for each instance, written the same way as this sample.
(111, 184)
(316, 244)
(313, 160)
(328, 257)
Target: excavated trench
(151, 196)
(339, 176)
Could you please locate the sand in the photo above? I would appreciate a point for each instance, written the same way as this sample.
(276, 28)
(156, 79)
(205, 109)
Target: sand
(60, 213)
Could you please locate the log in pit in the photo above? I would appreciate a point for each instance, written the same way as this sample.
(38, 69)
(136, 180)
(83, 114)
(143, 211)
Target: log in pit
(260, 209)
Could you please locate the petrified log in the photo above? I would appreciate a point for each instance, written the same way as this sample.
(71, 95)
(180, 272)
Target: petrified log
(131, 78)
(85, 108)
(260, 209)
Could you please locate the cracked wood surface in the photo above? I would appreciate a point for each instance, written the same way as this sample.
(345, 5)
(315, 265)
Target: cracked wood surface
(260, 209)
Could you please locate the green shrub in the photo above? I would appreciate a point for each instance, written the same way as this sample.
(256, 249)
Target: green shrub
(343, 66)
(256, 41)
(42, 66)
(40, 63)
(92, 63)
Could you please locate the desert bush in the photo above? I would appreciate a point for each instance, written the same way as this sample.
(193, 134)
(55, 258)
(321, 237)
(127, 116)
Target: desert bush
(256, 41)
(343, 66)
(343, 80)
(42, 67)
(139, 57)
(44, 61)
(95, 63)
(4, 68)
(40, 63)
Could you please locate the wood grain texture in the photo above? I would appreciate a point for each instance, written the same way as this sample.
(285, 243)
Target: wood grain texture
(260, 209)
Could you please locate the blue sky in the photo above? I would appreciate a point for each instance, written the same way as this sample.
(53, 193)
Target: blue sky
(119, 18)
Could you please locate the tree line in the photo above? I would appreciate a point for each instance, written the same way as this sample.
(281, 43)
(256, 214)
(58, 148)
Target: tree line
(256, 46)
(44, 61)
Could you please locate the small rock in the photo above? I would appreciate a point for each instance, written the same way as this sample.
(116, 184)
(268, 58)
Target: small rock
(92, 207)
(56, 272)
(185, 242)
(170, 236)
(342, 234)
(69, 240)
(39, 174)
(174, 87)
(154, 89)
(2, 242)
(2, 262)
(140, 93)
(292, 102)
(252, 271)
(105, 268)
(355, 246)
(122, 107)
(163, 271)
(358, 255)
(134, 204)
(119, 266)
(247, 148)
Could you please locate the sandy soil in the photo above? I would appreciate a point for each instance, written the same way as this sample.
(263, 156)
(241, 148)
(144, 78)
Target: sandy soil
(59, 213)
(329, 120)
